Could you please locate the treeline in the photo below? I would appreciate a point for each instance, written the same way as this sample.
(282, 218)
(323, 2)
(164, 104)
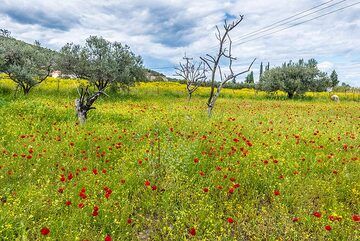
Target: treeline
(112, 65)
(101, 62)
(293, 78)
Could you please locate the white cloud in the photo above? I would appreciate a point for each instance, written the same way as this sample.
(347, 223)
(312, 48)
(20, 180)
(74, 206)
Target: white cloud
(326, 66)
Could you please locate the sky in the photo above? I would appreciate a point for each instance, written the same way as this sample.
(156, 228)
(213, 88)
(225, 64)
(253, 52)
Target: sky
(162, 31)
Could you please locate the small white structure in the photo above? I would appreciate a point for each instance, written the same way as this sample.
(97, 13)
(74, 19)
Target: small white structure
(56, 73)
(335, 98)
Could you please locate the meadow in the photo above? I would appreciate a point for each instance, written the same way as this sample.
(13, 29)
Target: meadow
(149, 165)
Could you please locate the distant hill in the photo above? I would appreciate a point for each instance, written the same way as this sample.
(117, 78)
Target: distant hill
(15, 42)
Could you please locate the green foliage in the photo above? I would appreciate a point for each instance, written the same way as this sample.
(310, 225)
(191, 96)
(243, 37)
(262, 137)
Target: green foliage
(334, 79)
(26, 65)
(102, 63)
(250, 78)
(295, 78)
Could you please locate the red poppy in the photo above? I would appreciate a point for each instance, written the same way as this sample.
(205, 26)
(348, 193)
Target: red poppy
(317, 214)
(356, 218)
(345, 147)
(236, 140)
(70, 176)
(81, 205)
(192, 231)
(68, 203)
(62, 178)
(205, 189)
(249, 143)
(45, 231)
(129, 220)
(295, 219)
(108, 237)
(196, 160)
(230, 220)
(328, 227)
(231, 190)
(82, 195)
(147, 183)
(95, 171)
(154, 187)
(276, 192)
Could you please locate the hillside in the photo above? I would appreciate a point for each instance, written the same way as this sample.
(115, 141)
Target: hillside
(15, 42)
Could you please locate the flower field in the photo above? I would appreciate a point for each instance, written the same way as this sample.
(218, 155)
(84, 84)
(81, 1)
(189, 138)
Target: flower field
(149, 165)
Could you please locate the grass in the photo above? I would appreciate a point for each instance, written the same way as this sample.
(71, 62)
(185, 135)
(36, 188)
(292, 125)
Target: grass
(259, 161)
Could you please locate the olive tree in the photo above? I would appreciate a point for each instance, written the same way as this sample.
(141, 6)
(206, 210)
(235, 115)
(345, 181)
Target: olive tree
(26, 65)
(295, 78)
(102, 63)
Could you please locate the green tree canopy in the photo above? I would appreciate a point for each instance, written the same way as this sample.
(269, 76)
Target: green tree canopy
(26, 65)
(101, 62)
(250, 78)
(334, 79)
(295, 78)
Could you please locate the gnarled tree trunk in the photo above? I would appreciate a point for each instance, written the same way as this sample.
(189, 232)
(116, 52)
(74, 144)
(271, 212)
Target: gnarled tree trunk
(84, 103)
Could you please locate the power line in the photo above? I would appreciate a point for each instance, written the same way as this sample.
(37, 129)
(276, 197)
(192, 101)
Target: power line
(275, 25)
(291, 26)
(297, 24)
(284, 21)
(165, 67)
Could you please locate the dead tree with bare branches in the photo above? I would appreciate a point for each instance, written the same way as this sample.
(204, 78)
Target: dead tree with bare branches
(84, 103)
(194, 74)
(213, 62)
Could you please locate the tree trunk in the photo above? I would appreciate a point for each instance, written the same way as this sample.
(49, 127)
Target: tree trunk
(26, 90)
(213, 100)
(80, 112)
(290, 95)
(190, 95)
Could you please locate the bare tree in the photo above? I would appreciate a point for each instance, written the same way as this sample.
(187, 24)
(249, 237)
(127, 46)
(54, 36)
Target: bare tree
(85, 102)
(194, 74)
(213, 62)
